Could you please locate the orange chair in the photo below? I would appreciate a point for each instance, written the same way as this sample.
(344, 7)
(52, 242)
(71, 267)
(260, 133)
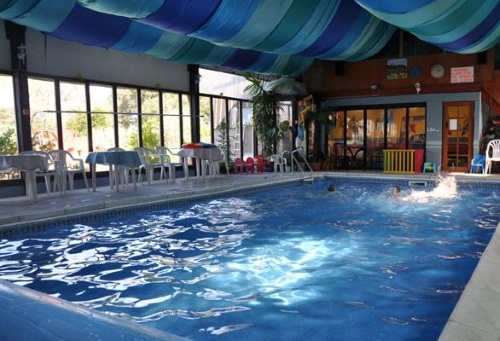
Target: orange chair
(260, 164)
(239, 166)
(250, 165)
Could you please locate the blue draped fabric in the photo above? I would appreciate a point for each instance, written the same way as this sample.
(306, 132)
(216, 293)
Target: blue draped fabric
(92, 28)
(489, 24)
(349, 43)
(468, 23)
(463, 26)
(46, 16)
(182, 16)
(290, 65)
(190, 53)
(448, 20)
(297, 16)
(265, 36)
(368, 45)
(169, 45)
(342, 22)
(254, 32)
(265, 62)
(15, 8)
(312, 29)
(241, 59)
(226, 21)
(138, 38)
(124, 8)
(394, 6)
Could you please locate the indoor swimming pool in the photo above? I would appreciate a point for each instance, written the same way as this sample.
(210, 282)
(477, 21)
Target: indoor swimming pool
(291, 263)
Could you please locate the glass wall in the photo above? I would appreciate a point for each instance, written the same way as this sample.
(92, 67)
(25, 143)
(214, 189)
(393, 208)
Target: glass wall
(44, 134)
(150, 118)
(361, 134)
(74, 118)
(205, 120)
(186, 119)
(171, 120)
(102, 118)
(128, 118)
(8, 130)
(80, 116)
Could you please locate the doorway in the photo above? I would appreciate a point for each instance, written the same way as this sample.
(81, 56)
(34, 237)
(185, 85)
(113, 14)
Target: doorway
(458, 118)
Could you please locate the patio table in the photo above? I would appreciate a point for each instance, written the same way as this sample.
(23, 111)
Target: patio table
(29, 164)
(114, 159)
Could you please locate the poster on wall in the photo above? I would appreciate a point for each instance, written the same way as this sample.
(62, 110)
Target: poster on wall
(397, 68)
(462, 74)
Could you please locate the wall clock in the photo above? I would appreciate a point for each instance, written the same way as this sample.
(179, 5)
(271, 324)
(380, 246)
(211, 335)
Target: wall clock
(437, 70)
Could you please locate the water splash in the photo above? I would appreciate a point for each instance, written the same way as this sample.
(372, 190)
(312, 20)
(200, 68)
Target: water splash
(446, 188)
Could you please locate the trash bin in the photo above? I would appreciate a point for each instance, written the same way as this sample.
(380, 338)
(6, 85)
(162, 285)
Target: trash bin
(419, 160)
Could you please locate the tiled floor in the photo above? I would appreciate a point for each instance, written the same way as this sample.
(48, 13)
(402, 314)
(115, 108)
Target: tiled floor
(476, 316)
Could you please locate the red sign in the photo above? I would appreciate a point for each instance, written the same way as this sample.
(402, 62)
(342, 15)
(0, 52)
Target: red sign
(462, 74)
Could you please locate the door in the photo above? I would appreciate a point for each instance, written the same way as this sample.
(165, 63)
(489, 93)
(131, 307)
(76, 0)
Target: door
(458, 118)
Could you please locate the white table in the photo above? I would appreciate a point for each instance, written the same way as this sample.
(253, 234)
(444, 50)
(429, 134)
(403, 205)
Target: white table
(201, 154)
(113, 159)
(29, 164)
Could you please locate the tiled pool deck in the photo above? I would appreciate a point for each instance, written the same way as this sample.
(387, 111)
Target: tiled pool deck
(476, 316)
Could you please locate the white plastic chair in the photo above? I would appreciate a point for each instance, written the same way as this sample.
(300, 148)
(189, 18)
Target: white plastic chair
(492, 154)
(50, 174)
(67, 166)
(149, 162)
(171, 161)
(279, 163)
(217, 161)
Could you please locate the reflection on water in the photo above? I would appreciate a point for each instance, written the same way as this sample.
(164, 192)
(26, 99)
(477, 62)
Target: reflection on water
(286, 264)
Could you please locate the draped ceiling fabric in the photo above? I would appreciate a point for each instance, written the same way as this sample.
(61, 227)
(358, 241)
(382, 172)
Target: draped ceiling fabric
(262, 36)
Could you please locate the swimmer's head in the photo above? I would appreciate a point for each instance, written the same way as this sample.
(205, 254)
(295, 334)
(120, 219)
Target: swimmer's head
(395, 191)
(331, 188)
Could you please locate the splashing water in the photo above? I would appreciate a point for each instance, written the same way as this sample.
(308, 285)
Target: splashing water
(446, 188)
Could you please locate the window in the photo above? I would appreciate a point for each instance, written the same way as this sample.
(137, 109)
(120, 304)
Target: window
(101, 107)
(205, 118)
(74, 119)
(128, 118)
(171, 120)
(368, 131)
(44, 133)
(150, 115)
(186, 119)
(8, 131)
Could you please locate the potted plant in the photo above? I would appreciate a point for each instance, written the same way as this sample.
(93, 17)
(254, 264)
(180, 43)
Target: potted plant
(264, 113)
(223, 143)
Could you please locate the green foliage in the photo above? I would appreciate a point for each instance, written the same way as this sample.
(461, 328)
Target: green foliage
(150, 137)
(264, 113)
(223, 142)
(8, 143)
(324, 116)
(38, 143)
(78, 122)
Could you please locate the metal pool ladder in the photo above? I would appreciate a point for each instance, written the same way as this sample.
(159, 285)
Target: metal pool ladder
(299, 159)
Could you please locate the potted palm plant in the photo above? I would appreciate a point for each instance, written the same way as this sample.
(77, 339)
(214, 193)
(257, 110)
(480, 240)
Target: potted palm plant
(264, 113)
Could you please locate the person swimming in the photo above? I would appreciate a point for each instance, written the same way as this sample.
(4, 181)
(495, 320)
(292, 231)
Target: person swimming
(395, 191)
(331, 188)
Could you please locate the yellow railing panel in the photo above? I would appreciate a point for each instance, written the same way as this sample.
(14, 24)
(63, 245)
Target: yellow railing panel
(399, 161)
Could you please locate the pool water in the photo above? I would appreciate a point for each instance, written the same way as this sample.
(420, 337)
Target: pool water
(291, 263)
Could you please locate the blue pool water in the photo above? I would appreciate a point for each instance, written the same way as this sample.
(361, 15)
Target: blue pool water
(291, 263)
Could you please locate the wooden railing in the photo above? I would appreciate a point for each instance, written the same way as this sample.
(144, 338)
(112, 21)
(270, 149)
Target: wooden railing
(399, 161)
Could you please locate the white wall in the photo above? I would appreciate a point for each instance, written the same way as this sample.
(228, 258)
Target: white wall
(54, 57)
